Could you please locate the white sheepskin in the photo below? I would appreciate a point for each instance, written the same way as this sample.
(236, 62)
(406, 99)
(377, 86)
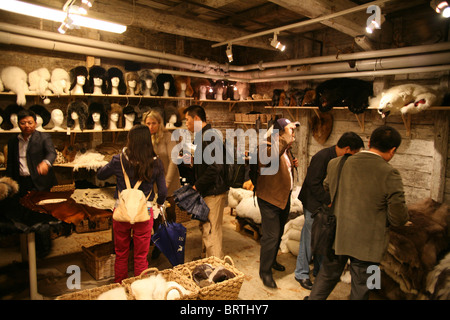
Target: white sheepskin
(290, 240)
(248, 208)
(407, 98)
(114, 294)
(15, 80)
(39, 80)
(59, 81)
(90, 160)
(235, 196)
(155, 288)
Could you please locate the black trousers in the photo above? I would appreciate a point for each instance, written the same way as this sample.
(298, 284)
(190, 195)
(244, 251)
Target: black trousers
(330, 274)
(273, 220)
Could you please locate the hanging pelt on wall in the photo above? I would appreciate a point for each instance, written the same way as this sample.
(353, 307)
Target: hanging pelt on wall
(414, 251)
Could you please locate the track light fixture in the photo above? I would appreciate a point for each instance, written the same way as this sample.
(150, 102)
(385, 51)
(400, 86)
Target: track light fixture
(277, 44)
(441, 7)
(372, 26)
(229, 53)
(74, 12)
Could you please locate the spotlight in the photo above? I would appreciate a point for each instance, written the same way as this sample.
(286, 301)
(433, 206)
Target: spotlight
(441, 7)
(277, 44)
(229, 53)
(66, 25)
(372, 26)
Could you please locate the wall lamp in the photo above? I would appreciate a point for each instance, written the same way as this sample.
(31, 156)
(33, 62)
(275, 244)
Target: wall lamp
(441, 7)
(229, 53)
(78, 20)
(277, 44)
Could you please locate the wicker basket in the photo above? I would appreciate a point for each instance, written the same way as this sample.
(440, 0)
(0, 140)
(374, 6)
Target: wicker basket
(99, 260)
(90, 294)
(168, 275)
(225, 290)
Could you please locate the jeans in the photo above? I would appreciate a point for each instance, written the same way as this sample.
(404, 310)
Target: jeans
(304, 253)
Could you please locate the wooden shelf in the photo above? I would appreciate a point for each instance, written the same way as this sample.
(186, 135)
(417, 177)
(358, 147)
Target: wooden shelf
(87, 95)
(232, 103)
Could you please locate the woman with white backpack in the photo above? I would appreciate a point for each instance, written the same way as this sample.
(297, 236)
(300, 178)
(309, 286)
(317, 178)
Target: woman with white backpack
(137, 166)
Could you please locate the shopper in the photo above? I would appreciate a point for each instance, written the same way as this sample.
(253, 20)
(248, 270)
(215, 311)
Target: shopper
(273, 192)
(313, 196)
(30, 156)
(370, 199)
(140, 163)
(209, 178)
(163, 145)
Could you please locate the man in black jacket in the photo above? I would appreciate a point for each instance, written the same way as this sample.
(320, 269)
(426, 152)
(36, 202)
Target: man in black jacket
(313, 195)
(30, 156)
(209, 178)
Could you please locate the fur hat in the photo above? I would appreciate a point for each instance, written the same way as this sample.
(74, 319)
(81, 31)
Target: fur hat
(41, 111)
(8, 187)
(74, 73)
(97, 72)
(197, 84)
(129, 110)
(81, 109)
(115, 108)
(10, 110)
(39, 80)
(163, 78)
(133, 76)
(99, 108)
(321, 126)
(184, 79)
(15, 79)
(146, 74)
(116, 73)
(56, 81)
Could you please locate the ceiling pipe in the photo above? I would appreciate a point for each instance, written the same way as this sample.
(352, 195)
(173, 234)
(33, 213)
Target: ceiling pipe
(361, 74)
(206, 66)
(440, 58)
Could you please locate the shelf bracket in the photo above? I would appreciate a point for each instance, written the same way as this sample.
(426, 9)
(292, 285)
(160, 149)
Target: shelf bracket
(232, 104)
(360, 121)
(407, 123)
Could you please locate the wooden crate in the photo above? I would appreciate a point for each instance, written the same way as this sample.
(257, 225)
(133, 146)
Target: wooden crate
(99, 260)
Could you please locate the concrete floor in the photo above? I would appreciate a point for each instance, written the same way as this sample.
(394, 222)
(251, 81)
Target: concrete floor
(66, 251)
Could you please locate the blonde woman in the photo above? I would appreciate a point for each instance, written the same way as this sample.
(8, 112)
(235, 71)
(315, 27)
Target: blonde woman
(163, 146)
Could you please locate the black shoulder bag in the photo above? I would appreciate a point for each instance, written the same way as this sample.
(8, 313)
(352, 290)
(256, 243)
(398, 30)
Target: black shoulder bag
(323, 230)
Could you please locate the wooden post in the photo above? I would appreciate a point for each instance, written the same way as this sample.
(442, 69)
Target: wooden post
(441, 124)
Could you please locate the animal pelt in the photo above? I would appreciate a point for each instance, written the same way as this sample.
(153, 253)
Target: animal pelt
(413, 250)
(321, 126)
(8, 187)
(309, 98)
(438, 280)
(278, 97)
(205, 275)
(155, 288)
(39, 80)
(15, 80)
(344, 92)
(407, 98)
(59, 81)
(118, 293)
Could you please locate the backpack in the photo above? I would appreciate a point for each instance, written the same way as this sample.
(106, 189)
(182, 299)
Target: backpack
(132, 205)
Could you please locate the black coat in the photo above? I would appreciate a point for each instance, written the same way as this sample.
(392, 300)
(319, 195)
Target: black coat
(209, 178)
(40, 147)
(313, 194)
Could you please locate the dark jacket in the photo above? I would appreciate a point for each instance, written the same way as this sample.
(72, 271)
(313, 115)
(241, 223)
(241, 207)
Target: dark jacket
(114, 168)
(40, 147)
(209, 178)
(313, 194)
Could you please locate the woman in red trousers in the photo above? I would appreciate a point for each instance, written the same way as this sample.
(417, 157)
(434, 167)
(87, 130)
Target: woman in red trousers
(140, 163)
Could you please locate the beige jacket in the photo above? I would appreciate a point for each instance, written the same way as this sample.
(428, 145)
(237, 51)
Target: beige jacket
(163, 150)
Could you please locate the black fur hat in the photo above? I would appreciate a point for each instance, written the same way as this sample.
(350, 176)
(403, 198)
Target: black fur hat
(81, 109)
(129, 110)
(98, 72)
(79, 71)
(41, 111)
(99, 108)
(113, 73)
(163, 78)
(10, 110)
(146, 74)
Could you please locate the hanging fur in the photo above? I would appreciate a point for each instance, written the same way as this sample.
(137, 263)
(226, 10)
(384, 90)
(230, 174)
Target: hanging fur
(15, 79)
